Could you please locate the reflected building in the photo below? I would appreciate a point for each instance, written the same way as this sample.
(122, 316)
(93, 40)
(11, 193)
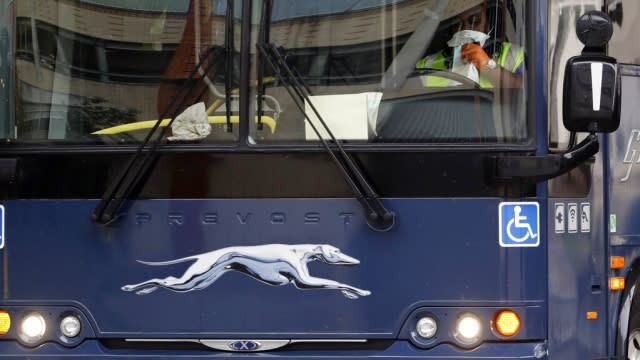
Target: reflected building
(71, 55)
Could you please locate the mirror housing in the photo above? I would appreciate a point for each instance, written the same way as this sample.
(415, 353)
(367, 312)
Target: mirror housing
(591, 98)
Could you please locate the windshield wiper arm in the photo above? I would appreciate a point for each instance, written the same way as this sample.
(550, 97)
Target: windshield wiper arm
(140, 163)
(378, 216)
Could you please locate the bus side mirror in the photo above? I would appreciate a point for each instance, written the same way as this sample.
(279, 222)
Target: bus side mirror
(591, 98)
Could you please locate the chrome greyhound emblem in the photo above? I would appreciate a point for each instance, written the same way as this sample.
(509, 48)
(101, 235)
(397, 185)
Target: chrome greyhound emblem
(273, 264)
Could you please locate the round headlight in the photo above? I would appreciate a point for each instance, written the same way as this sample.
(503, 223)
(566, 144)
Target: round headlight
(32, 327)
(468, 329)
(427, 327)
(70, 326)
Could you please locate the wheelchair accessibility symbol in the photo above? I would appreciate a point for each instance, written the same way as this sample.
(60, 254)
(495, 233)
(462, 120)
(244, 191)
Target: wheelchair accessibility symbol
(519, 224)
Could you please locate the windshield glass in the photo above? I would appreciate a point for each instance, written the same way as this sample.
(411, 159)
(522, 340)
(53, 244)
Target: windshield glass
(377, 71)
(394, 70)
(103, 71)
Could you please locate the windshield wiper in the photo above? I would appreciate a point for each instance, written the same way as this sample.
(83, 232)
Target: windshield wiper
(378, 216)
(140, 163)
(263, 39)
(228, 46)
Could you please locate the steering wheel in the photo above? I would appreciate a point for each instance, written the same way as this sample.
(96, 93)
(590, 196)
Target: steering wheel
(447, 75)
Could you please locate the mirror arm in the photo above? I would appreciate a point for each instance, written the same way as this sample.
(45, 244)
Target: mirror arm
(534, 169)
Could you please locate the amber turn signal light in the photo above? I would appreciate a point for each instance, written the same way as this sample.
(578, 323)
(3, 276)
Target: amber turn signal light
(5, 322)
(616, 283)
(507, 322)
(617, 262)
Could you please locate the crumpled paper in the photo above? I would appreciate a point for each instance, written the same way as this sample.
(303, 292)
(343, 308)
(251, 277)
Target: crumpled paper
(191, 124)
(458, 39)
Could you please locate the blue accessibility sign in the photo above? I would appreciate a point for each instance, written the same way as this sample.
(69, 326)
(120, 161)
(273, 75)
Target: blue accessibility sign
(519, 224)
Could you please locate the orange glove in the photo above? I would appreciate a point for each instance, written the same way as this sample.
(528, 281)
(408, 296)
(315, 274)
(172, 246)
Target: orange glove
(475, 54)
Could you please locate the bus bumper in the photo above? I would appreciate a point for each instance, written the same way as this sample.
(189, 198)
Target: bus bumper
(93, 349)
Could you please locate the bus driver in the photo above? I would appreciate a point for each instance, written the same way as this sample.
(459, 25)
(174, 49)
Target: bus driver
(500, 65)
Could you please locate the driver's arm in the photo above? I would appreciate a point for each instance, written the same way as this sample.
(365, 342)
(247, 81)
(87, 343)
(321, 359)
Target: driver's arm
(498, 75)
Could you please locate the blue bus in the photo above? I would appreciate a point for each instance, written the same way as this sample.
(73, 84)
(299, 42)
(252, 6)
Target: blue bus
(327, 179)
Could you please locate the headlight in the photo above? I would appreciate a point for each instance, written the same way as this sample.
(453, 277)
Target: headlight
(468, 329)
(32, 327)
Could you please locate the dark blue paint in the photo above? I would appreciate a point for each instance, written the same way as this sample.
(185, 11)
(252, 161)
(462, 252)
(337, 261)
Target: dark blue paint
(454, 261)
(577, 283)
(621, 189)
(399, 349)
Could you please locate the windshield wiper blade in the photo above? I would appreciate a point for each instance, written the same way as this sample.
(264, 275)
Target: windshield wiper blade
(263, 39)
(228, 46)
(140, 163)
(378, 217)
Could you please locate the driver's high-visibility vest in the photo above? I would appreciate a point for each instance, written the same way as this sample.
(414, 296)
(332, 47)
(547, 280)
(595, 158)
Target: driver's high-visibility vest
(510, 57)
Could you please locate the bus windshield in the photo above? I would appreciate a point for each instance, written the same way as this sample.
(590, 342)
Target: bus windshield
(375, 71)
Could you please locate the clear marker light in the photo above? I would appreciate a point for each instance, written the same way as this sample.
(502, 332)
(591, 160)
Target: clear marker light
(427, 327)
(33, 327)
(70, 326)
(468, 328)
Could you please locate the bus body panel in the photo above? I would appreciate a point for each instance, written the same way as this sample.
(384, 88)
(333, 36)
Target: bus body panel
(622, 181)
(95, 350)
(577, 271)
(400, 270)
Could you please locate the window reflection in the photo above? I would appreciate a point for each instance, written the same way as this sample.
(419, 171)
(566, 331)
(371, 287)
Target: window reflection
(374, 49)
(84, 69)
(563, 43)
(86, 66)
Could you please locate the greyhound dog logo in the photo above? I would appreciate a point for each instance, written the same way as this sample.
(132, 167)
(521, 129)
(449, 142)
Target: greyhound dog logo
(273, 264)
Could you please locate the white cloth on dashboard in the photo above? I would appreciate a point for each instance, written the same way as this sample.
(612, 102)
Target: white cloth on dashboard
(191, 124)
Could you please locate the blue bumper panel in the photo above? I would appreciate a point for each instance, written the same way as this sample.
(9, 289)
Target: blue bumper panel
(95, 350)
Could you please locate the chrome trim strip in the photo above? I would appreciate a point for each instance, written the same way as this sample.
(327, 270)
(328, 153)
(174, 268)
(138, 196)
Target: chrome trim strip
(162, 340)
(297, 341)
(262, 345)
